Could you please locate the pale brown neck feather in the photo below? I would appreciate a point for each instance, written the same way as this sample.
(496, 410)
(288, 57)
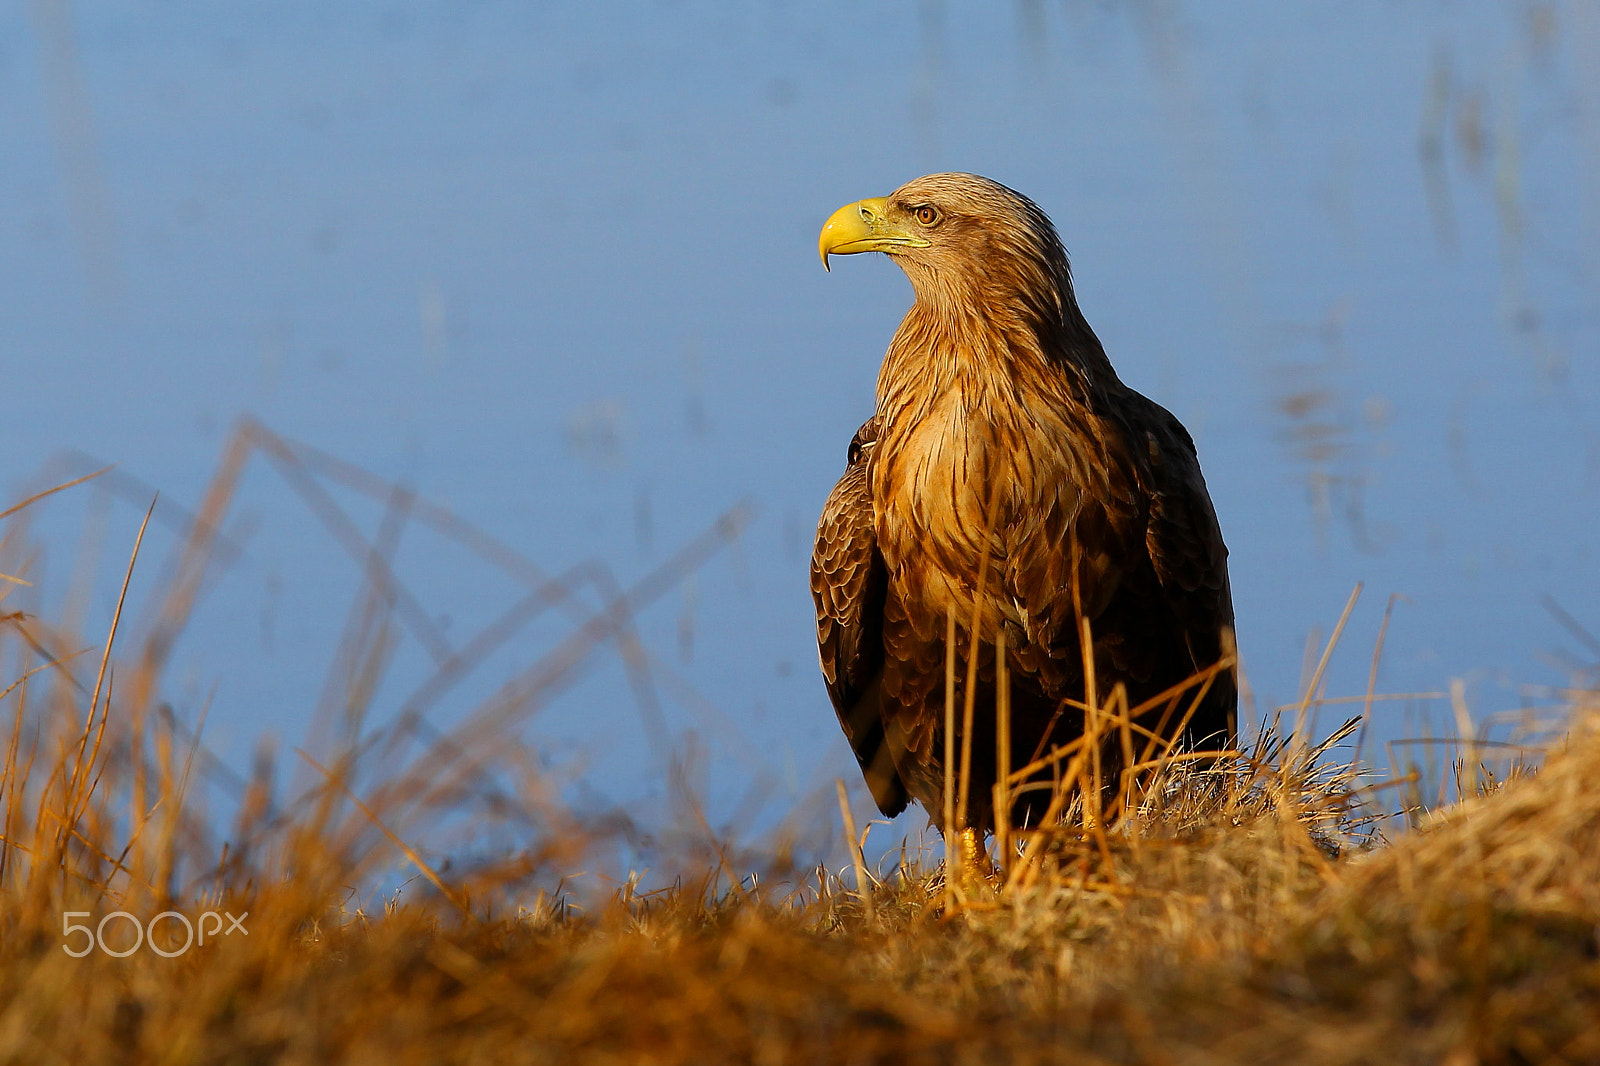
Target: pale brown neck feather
(991, 338)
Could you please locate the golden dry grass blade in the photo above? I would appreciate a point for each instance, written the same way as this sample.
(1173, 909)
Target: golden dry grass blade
(404, 848)
(863, 885)
(36, 497)
(949, 766)
(1315, 682)
(1091, 724)
(968, 708)
(76, 792)
(1002, 748)
(974, 645)
(174, 608)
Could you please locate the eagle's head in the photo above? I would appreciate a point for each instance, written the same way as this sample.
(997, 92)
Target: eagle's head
(967, 243)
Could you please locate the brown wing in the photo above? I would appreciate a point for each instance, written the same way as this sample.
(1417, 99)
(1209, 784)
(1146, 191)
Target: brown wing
(1191, 563)
(848, 582)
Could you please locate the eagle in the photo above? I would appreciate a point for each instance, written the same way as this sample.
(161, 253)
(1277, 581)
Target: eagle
(1010, 490)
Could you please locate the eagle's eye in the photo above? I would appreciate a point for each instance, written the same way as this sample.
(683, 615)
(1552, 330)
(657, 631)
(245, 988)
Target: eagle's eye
(927, 214)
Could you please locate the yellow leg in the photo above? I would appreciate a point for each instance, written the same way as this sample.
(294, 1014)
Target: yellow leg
(973, 871)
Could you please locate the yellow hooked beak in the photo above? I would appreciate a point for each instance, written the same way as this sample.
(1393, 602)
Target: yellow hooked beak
(863, 227)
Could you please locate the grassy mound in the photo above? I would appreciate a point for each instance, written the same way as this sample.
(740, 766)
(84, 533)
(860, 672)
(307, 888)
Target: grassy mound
(1229, 934)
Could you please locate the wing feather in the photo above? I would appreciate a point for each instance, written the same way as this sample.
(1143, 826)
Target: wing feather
(848, 584)
(1190, 561)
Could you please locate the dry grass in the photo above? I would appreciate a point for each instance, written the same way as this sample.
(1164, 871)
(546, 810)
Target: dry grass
(1244, 913)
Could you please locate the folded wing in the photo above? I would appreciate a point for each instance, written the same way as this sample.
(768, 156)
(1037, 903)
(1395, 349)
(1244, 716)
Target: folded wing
(848, 583)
